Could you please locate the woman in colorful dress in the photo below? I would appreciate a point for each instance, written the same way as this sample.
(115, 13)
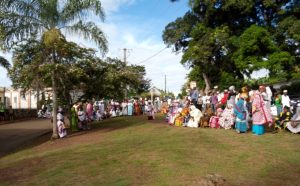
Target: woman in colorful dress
(172, 113)
(62, 131)
(241, 116)
(130, 108)
(214, 120)
(277, 101)
(227, 118)
(164, 109)
(74, 119)
(137, 109)
(179, 118)
(260, 114)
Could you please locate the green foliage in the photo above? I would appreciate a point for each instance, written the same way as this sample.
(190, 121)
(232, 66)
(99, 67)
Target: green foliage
(20, 19)
(27, 19)
(79, 70)
(238, 37)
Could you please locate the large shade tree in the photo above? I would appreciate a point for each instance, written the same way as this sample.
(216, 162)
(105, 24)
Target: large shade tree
(22, 19)
(233, 38)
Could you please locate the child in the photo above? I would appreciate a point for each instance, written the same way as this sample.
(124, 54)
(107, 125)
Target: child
(284, 117)
(214, 120)
(150, 111)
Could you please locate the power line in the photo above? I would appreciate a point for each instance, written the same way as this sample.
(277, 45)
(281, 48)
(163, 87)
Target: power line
(143, 61)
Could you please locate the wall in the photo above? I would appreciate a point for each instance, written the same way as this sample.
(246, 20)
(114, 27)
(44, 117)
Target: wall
(18, 100)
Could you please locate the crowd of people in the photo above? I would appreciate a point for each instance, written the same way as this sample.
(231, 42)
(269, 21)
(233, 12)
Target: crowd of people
(84, 113)
(229, 109)
(239, 110)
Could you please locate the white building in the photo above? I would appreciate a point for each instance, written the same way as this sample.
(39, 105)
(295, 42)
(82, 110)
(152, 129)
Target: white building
(22, 100)
(19, 100)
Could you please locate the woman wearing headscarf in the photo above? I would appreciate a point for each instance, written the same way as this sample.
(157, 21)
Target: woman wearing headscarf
(195, 116)
(260, 113)
(241, 116)
(179, 118)
(294, 124)
(74, 119)
(214, 120)
(227, 117)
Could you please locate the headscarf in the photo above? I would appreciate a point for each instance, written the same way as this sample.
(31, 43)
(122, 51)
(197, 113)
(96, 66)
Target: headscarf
(228, 111)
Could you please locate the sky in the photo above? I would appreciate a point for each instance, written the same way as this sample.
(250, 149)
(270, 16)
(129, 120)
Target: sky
(138, 26)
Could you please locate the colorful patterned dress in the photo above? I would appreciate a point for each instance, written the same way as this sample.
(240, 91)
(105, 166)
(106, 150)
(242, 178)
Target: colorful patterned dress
(260, 115)
(241, 116)
(227, 119)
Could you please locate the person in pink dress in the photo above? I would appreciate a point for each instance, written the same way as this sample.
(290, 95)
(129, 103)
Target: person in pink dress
(214, 120)
(260, 114)
(89, 113)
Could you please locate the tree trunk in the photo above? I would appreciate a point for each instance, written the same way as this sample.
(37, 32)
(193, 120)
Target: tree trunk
(54, 99)
(38, 105)
(207, 82)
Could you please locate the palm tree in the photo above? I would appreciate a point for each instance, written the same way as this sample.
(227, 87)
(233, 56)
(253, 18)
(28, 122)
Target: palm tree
(19, 19)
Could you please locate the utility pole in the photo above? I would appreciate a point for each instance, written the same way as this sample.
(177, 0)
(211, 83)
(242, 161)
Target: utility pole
(125, 53)
(165, 84)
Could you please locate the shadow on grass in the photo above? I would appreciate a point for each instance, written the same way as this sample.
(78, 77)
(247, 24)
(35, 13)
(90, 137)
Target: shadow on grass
(108, 125)
(35, 141)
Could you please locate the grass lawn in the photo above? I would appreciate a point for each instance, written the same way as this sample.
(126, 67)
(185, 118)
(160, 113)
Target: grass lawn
(134, 151)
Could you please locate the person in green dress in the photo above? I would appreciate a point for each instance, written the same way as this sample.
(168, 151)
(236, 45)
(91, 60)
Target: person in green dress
(74, 124)
(277, 101)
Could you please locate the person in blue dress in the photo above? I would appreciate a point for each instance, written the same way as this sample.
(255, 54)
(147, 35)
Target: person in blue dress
(241, 116)
(130, 108)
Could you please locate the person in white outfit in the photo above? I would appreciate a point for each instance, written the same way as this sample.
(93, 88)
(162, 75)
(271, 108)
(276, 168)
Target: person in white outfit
(285, 99)
(195, 115)
(294, 124)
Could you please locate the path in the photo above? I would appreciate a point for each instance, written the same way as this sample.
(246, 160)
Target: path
(14, 135)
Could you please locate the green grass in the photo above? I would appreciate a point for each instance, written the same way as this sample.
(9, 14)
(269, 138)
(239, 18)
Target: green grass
(134, 151)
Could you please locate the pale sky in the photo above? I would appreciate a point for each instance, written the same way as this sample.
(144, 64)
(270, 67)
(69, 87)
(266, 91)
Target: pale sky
(138, 26)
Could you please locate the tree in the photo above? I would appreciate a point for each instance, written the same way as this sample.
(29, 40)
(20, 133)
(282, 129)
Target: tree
(19, 19)
(217, 35)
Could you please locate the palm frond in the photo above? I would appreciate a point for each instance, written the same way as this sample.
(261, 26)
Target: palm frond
(90, 31)
(22, 7)
(78, 9)
(19, 20)
(4, 63)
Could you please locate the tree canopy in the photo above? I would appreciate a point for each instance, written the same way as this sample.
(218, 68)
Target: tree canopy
(44, 19)
(231, 39)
